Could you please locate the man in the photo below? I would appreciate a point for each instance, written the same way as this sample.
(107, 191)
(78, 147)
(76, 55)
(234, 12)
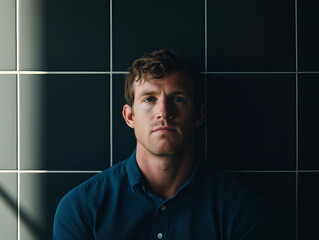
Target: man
(164, 190)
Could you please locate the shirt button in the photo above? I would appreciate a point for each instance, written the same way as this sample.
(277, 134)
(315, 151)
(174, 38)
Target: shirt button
(163, 207)
(159, 235)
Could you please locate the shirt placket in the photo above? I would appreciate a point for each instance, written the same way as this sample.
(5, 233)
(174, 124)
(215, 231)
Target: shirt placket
(160, 222)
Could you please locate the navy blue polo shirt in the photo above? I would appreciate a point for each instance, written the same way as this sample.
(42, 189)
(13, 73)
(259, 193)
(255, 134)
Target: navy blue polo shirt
(117, 204)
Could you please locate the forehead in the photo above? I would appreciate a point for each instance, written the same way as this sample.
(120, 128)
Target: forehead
(176, 81)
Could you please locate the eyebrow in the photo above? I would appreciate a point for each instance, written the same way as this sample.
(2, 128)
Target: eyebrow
(177, 92)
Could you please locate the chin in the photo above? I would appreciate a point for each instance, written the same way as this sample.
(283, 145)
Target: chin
(165, 150)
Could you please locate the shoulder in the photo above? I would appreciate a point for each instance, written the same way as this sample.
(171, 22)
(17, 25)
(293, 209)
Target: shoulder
(101, 183)
(76, 210)
(252, 217)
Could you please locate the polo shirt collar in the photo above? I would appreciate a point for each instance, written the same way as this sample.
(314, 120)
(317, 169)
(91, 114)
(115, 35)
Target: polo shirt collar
(135, 175)
(133, 172)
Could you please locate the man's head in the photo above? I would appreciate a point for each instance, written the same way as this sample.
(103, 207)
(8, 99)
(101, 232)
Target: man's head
(159, 64)
(164, 103)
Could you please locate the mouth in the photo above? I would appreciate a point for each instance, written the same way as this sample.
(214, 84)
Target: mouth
(165, 130)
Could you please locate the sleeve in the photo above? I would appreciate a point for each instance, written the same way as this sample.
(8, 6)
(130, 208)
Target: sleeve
(256, 221)
(72, 220)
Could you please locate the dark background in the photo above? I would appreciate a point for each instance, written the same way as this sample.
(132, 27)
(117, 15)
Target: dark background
(62, 68)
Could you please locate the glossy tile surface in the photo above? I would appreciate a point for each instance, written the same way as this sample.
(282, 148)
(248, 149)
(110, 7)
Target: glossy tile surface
(8, 35)
(124, 141)
(279, 190)
(64, 35)
(251, 121)
(8, 206)
(308, 121)
(8, 122)
(308, 35)
(40, 195)
(64, 122)
(251, 35)
(143, 26)
(308, 199)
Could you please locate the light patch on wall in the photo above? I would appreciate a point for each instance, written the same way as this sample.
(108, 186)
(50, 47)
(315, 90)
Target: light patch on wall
(32, 34)
(8, 122)
(8, 205)
(32, 119)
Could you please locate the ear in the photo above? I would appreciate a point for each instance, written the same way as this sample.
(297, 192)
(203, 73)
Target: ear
(200, 116)
(128, 115)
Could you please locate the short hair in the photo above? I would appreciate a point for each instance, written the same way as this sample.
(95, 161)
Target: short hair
(159, 64)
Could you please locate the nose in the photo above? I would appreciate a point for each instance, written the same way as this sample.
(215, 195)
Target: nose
(164, 110)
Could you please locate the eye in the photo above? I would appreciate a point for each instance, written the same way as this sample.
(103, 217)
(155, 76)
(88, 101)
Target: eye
(149, 99)
(179, 99)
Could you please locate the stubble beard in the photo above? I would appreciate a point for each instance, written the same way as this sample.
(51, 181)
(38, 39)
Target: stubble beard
(165, 146)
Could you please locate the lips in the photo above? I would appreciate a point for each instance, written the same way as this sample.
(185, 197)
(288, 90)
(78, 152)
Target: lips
(165, 129)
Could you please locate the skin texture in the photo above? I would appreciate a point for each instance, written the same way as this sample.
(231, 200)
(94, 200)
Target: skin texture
(164, 123)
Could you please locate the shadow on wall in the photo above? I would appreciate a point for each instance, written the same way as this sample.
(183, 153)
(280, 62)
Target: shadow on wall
(34, 226)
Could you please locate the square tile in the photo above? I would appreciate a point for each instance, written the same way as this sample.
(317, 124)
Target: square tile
(143, 26)
(278, 189)
(251, 35)
(64, 122)
(64, 35)
(8, 122)
(308, 128)
(8, 35)
(40, 196)
(124, 141)
(251, 121)
(308, 35)
(8, 206)
(308, 198)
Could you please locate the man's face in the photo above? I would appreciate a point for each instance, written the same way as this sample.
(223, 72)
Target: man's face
(163, 114)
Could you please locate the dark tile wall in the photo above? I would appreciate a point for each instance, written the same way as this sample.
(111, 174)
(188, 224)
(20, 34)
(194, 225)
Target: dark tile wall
(308, 196)
(251, 35)
(64, 122)
(64, 35)
(142, 26)
(308, 121)
(308, 36)
(251, 121)
(124, 140)
(62, 66)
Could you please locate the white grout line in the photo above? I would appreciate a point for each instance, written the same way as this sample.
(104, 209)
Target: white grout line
(266, 171)
(297, 121)
(49, 171)
(120, 72)
(249, 72)
(18, 148)
(111, 83)
(51, 72)
(205, 9)
(205, 36)
(8, 72)
(18, 115)
(124, 72)
(98, 171)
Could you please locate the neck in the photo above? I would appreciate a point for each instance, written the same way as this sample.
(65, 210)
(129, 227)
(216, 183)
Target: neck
(165, 174)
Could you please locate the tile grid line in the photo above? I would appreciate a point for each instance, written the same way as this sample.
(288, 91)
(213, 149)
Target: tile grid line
(205, 9)
(50, 171)
(297, 120)
(125, 72)
(18, 118)
(98, 171)
(111, 84)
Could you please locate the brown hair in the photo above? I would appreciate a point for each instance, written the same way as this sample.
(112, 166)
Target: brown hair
(160, 64)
